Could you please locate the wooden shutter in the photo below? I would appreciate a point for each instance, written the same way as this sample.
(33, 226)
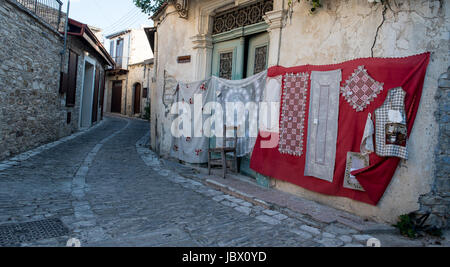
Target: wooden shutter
(145, 92)
(119, 53)
(111, 48)
(63, 82)
(95, 101)
(102, 93)
(72, 79)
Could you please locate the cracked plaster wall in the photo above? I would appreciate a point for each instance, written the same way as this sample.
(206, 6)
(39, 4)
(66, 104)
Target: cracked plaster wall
(340, 31)
(344, 30)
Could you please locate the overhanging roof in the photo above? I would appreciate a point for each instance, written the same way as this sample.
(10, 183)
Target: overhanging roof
(117, 34)
(81, 30)
(150, 32)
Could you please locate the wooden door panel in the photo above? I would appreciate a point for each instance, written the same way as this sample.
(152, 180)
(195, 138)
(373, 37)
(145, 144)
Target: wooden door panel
(116, 97)
(258, 49)
(228, 59)
(137, 99)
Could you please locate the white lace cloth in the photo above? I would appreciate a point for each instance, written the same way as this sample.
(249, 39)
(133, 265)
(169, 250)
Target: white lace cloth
(249, 92)
(192, 149)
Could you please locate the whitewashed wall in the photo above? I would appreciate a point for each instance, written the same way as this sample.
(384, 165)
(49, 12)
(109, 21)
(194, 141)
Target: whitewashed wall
(340, 31)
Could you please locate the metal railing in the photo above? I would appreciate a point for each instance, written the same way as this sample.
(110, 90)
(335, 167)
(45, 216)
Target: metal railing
(48, 10)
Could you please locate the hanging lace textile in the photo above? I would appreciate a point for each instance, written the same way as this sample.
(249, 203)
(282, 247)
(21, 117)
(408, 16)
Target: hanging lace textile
(369, 174)
(190, 145)
(245, 96)
(323, 124)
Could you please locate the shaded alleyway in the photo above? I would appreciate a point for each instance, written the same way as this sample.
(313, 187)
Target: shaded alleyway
(100, 188)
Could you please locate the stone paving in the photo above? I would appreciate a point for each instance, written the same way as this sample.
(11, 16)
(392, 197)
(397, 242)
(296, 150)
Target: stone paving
(110, 190)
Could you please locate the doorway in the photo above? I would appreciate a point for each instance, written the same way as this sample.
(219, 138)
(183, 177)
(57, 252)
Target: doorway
(242, 57)
(238, 59)
(116, 97)
(137, 98)
(87, 95)
(96, 96)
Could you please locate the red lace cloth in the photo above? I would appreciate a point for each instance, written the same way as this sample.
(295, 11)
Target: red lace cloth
(408, 73)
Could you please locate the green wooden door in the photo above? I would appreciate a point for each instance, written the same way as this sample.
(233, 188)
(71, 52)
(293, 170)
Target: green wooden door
(227, 63)
(257, 61)
(228, 59)
(258, 48)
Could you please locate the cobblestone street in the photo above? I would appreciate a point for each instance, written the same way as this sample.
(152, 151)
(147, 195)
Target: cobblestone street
(109, 190)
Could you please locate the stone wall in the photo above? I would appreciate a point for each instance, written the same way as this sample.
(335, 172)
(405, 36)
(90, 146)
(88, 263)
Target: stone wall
(339, 31)
(83, 50)
(437, 202)
(32, 112)
(137, 73)
(30, 106)
(344, 30)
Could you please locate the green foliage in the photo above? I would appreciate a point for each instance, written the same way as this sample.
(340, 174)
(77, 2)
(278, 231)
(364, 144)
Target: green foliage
(413, 226)
(149, 6)
(406, 226)
(147, 113)
(314, 4)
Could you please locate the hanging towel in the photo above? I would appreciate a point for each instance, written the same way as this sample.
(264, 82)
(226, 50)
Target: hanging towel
(391, 126)
(367, 140)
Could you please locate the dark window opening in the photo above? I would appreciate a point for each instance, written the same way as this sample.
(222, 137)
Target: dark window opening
(72, 79)
(145, 93)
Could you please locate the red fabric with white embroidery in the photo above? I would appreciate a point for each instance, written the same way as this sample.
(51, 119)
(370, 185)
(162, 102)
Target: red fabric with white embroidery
(293, 115)
(408, 73)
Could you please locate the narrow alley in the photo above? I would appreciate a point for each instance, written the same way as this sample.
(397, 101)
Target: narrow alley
(97, 185)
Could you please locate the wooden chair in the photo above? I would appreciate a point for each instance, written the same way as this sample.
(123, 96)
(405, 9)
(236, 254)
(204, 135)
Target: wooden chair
(224, 150)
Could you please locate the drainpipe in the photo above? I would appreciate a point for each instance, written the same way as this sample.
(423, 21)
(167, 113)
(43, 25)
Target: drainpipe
(66, 28)
(126, 83)
(154, 92)
(279, 40)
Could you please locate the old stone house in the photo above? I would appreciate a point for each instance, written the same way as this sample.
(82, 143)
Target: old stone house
(44, 98)
(84, 86)
(128, 83)
(233, 38)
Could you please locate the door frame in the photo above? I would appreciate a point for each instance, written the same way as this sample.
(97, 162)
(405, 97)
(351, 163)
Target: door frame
(226, 47)
(257, 41)
(239, 33)
(92, 62)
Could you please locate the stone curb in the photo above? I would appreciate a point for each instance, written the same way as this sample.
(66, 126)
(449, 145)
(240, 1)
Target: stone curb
(236, 193)
(342, 231)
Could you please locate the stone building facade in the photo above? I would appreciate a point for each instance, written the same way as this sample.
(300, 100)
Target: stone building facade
(32, 109)
(337, 32)
(437, 201)
(129, 82)
(87, 55)
(135, 87)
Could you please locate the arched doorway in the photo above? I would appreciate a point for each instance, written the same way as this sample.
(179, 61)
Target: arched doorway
(137, 98)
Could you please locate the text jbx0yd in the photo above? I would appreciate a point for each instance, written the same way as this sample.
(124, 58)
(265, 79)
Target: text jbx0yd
(229, 257)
